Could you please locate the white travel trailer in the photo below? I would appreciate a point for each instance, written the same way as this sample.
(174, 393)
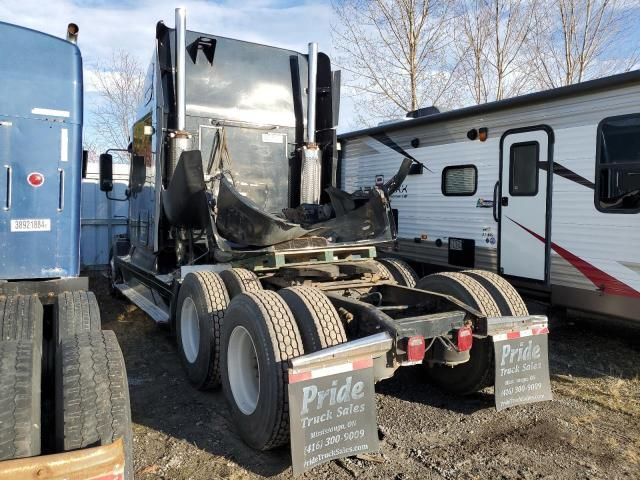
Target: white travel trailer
(542, 188)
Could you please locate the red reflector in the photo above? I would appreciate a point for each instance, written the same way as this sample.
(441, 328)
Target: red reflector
(465, 339)
(415, 348)
(35, 179)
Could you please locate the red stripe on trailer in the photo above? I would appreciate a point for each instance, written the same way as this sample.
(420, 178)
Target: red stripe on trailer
(540, 330)
(364, 363)
(602, 280)
(534, 330)
(295, 376)
(299, 377)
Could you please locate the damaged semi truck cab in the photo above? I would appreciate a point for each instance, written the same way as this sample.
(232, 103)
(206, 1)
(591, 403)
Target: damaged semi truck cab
(240, 239)
(49, 320)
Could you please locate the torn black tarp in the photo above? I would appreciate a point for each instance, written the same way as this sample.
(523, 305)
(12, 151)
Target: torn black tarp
(241, 221)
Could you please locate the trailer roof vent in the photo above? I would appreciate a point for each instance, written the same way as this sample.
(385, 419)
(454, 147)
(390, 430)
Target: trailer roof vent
(423, 112)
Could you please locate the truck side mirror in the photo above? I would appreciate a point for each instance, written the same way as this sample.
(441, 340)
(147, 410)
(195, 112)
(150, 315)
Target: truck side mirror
(106, 172)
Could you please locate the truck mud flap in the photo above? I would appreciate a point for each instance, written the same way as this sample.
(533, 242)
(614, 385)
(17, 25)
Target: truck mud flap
(332, 401)
(521, 353)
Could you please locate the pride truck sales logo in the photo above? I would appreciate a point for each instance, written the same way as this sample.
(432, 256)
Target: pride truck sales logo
(332, 414)
(522, 367)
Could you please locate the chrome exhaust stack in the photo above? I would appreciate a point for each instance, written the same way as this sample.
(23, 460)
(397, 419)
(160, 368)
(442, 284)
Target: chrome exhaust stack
(72, 33)
(180, 139)
(181, 48)
(310, 184)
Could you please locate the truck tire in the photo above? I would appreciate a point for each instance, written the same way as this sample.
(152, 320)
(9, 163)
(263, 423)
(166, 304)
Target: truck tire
(316, 317)
(21, 318)
(76, 312)
(462, 287)
(92, 394)
(477, 373)
(401, 271)
(202, 301)
(383, 270)
(259, 336)
(240, 280)
(505, 295)
(20, 377)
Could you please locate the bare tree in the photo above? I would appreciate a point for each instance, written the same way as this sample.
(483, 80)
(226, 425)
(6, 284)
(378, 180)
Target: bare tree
(575, 39)
(119, 83)
(396, 54)
(491, 39)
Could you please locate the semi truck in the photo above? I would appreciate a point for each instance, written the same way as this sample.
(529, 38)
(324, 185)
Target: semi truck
(241, 242)
(64, 401)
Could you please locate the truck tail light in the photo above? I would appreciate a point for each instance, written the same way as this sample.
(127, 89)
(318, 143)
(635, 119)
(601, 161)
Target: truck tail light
(35, 179)
(415, 348)
(464, 339)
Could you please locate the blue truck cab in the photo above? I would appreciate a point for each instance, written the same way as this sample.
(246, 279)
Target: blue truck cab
(48, 318)
(40, 156)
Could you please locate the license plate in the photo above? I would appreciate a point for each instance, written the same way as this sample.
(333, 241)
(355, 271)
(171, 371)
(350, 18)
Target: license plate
(31, 225)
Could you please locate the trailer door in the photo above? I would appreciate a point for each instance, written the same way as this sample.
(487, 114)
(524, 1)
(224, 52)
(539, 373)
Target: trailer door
(524, 203)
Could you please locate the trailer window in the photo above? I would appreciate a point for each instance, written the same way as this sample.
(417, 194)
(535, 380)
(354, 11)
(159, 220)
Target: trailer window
(459, 180)
(523, 169)
(618, 165)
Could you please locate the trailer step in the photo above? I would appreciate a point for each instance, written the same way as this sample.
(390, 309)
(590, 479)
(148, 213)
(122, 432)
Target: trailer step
(150, 308)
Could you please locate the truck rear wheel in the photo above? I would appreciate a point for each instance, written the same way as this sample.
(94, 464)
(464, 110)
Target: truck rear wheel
(317, 319)
(259, 336)
(20, 379)
(76, 312)
(202, 302)
(505, 295)
(240, 280)
(477, 372)
(92, 394)
(21, 318)
(401, 271)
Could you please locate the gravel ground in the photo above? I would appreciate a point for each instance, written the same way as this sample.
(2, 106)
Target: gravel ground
(590, 430)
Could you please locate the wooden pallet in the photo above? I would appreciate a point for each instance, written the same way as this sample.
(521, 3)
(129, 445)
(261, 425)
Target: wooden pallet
(276, 260)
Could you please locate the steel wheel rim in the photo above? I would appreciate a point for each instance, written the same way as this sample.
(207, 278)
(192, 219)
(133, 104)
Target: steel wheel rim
(189, 330)
(243, 369)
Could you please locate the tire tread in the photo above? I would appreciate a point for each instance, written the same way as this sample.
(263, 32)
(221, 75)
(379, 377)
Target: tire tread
(287, 343)
(21, 318)
(401, 271)
(319, 322)
(20, 376)
(240, 280)
(92, 404)
(508, 292)
(76, 312)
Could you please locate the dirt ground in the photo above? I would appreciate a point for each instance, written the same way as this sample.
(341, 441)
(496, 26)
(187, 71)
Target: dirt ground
(591, 430)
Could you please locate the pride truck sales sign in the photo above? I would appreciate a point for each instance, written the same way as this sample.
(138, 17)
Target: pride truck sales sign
(332, 413)
(522, 367)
